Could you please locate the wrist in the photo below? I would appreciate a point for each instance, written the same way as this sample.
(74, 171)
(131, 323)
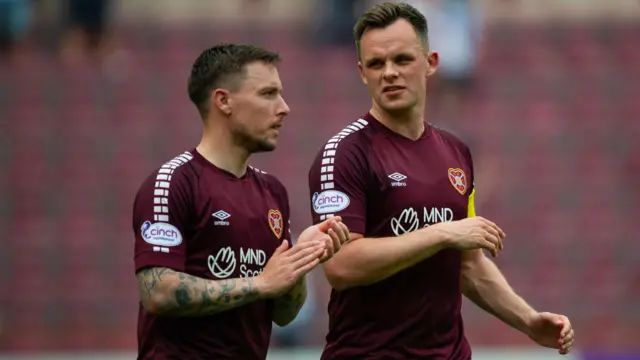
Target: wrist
(437, 237)
(261, 286)
(527, 320)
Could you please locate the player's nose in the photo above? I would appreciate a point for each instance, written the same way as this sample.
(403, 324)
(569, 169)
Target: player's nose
(390, 71)
(283, 108)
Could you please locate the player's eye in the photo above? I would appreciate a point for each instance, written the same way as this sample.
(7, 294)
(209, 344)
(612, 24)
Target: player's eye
(270, 92)
(373, 64)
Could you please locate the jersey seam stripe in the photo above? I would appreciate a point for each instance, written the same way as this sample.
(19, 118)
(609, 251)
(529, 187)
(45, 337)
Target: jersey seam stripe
(162, 184)
(256, 169)
(329, 154)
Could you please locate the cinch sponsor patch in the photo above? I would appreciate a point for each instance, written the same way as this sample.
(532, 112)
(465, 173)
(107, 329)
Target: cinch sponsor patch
(329, 201)
(161, 234)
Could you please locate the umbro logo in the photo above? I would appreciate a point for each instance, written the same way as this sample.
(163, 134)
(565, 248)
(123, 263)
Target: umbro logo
(222, 216)
(397, 176)
(398, 179)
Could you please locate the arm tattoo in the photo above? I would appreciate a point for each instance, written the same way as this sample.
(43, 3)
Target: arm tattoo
(226, 287)
(147, 284)
(288, 305)
(168, 292)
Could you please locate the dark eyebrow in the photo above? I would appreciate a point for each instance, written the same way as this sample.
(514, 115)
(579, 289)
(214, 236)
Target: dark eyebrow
(404, 56)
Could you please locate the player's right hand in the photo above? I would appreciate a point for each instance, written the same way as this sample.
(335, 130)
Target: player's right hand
(287, 265)
(331, 231)
(473, 233)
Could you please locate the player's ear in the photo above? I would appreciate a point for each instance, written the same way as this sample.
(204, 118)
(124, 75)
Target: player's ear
(361, 71)
(221, 100)
(433, 60)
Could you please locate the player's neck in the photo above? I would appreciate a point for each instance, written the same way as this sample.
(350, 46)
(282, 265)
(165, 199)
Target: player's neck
(409, 124)
(218, 148)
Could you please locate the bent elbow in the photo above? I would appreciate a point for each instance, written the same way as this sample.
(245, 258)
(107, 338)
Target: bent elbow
(154, 304)
(337, 283)
(157, 303)
(338, 278)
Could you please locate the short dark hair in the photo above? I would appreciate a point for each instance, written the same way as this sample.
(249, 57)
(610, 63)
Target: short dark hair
(385, 14)
(219, 66)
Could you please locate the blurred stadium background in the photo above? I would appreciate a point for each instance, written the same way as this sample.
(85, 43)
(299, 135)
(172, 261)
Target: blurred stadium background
(544, 91)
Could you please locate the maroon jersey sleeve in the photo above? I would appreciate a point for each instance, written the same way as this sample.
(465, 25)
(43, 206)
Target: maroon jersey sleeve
(160, 216)
(469, 158)
(471, 202)
(286, 214)
(283, 200)
(337, 184)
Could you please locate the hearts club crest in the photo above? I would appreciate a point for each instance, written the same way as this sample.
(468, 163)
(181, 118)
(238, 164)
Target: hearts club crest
(275, 222)
(458, 179)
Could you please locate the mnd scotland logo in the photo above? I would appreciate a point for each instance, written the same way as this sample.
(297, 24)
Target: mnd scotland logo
(224, 263)
(409, 219)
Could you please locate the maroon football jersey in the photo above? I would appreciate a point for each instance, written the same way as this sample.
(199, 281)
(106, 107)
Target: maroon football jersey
(193, 217)
(383, 184)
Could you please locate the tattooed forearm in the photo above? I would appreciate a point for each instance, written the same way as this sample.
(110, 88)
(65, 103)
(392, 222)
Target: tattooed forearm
(148, 284)
(167, 292)
(288, 305)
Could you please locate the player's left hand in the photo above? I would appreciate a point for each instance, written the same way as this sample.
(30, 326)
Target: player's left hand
(333, 232)
(552, 331)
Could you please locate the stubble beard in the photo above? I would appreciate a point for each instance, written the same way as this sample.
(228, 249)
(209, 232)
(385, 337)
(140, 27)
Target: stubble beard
(252, 144)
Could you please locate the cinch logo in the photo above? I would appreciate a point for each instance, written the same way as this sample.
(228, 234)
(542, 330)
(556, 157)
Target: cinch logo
(161, 234)
(397, 177)
(223, 265)
(329, 201)
(222, 216)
